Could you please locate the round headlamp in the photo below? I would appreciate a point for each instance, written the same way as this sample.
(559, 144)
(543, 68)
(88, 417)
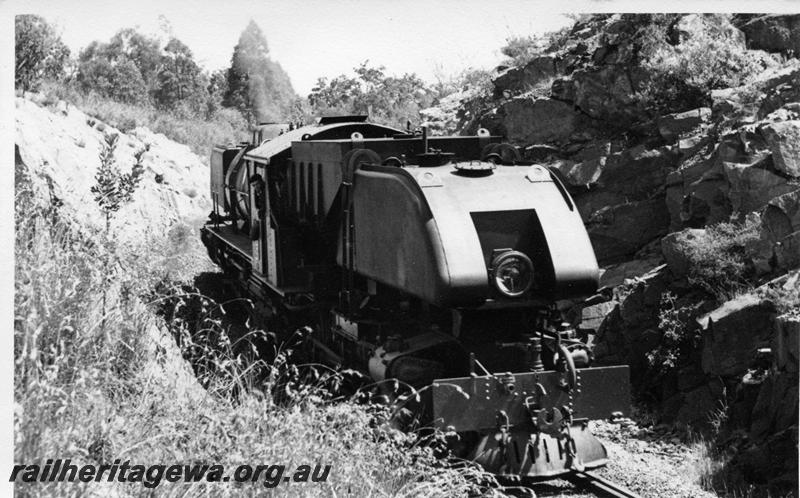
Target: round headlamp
(512, 273)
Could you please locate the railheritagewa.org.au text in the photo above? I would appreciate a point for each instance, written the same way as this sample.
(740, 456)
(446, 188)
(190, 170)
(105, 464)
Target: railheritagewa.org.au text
(151, 476)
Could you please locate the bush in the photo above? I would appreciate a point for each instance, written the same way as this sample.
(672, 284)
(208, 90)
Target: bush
(681, 76)
(678, 336)
(718, 259)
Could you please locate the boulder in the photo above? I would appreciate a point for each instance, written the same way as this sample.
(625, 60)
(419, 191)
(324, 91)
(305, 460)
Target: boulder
(564, 89)
(752, 186)
(733, 332)
(537, 72)
(638, 172)
(773, 461)
(775, 33)
(614, 275)
(787, 252)
(776, 406)
(592, 316)
(697, 194)
(609, 346)
(619, 231)
(700, 404)
(781, 217)
(606, 94)
(640, 306)
(584, 173)
(672, 126)
(589, 202)
(780, 88)
(674, 248)
(528, 120)
(784, 141)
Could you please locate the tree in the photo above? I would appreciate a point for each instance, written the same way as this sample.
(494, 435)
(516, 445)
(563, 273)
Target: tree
(144, 51)
(180, 79)
(386, 99)
(120, 80)
(39, 52)
(217, 88)
(112, 190)
(133, 68)
(257, 85)
(123, 69)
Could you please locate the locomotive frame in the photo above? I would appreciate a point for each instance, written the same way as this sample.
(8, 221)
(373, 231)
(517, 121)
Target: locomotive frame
(432, 260)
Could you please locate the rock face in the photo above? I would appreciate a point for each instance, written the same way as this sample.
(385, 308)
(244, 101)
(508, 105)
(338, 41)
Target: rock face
(733, 333)
(532, 120)
(704, 164)
(672, 126)
(651, 174)
(59, 152)
(776, 33)
(784, 140)
(619, 231)
(516, 80)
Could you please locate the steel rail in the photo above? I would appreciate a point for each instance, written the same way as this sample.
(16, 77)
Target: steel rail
(599, 485)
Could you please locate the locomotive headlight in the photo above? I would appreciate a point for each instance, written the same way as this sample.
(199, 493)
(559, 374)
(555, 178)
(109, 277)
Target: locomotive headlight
(512, 273)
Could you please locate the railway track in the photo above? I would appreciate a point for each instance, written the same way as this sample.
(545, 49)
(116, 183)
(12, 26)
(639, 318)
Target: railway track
(599, 486)
(583, 482)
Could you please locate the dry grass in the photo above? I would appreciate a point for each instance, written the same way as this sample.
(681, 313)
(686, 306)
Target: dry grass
(94, 394)
(223, 126)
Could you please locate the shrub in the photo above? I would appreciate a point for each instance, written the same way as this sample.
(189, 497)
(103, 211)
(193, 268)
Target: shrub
(718, 259)
(681, 76)
(678, 337)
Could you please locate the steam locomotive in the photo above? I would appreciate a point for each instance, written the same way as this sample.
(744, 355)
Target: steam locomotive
(433, 261)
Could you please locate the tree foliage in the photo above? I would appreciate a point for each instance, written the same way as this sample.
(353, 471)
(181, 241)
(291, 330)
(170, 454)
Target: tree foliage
(112, 188)
(180, 81)
(134, 68)
(39, 52)
(386, 99)
(257, 85)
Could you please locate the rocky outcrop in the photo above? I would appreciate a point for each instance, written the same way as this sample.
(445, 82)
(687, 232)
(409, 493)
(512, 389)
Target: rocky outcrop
(534, 120)
(776, 33)
(538, 72)
(654, 165)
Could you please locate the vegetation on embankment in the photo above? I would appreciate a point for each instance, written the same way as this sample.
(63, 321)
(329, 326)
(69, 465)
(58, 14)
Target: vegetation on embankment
(98, 378)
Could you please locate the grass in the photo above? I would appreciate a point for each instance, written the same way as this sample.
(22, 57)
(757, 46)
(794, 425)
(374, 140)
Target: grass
(223, 126)
(95, 394)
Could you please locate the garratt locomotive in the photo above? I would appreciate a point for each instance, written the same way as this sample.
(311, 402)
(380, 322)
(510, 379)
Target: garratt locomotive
(435, 261)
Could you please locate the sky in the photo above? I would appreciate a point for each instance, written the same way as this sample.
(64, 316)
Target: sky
(314, 38)
(318, 38)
